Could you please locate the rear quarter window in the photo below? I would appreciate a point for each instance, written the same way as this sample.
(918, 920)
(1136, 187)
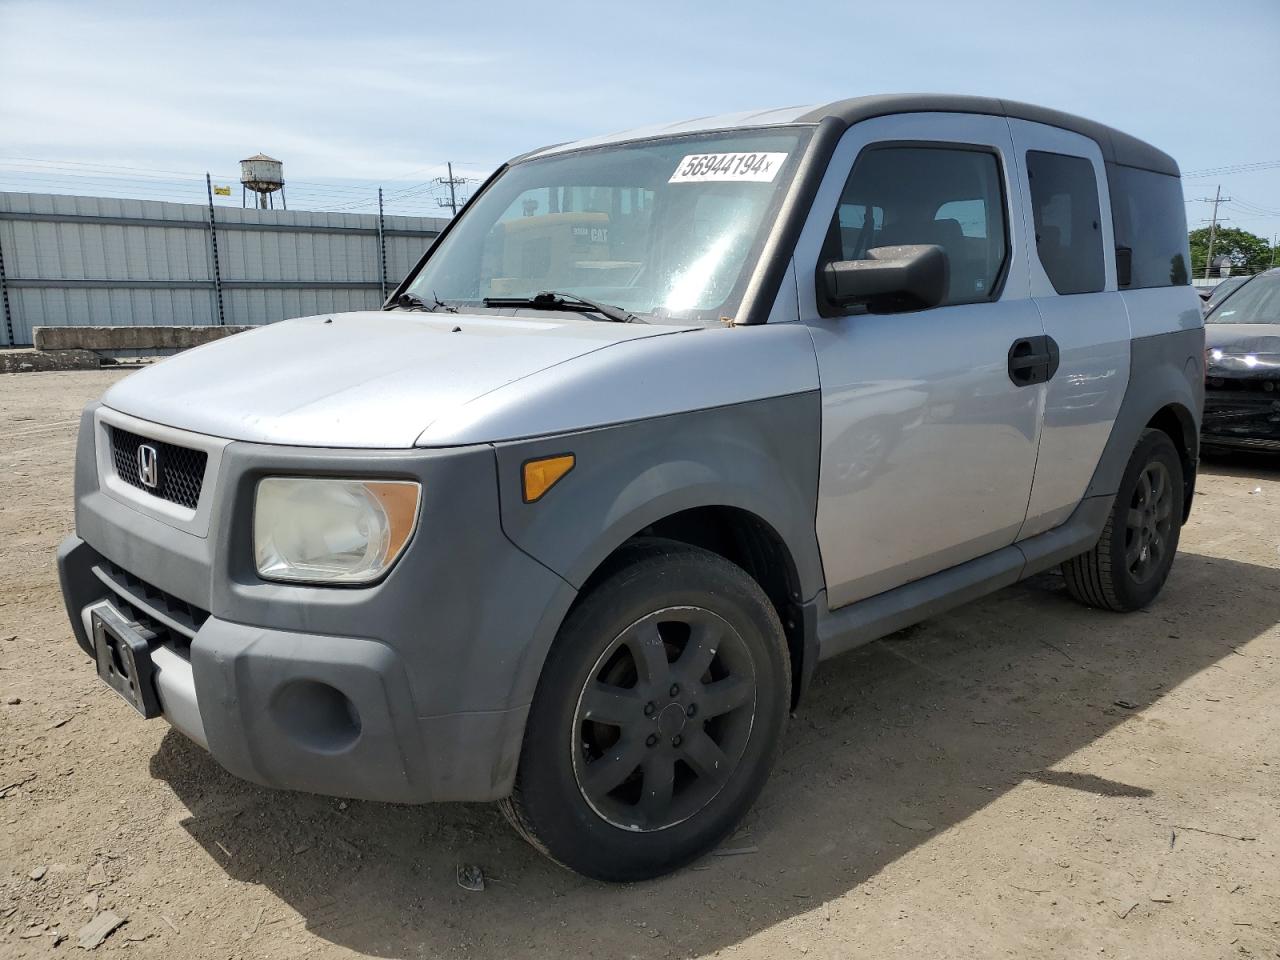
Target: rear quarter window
(1064, 203)
(1150, 222)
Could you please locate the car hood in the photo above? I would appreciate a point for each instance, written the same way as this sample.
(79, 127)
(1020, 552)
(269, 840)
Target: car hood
(1243, 349)
(368, 379)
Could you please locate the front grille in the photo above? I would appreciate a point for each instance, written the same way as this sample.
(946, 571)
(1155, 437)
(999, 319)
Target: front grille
(180, 469)
(142, 601)
(1242, 385)
(1252, 402)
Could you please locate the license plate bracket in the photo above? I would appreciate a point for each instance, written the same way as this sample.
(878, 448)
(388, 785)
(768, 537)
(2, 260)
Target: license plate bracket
(122, 649)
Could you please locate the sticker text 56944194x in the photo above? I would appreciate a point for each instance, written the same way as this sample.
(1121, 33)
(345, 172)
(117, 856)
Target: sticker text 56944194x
(708, 167)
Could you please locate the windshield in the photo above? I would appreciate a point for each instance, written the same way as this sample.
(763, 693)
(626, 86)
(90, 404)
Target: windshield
(662, 228)
(1257, 301)
(1219, 293)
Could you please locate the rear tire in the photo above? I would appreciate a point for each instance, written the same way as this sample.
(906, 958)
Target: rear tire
(1131, 561)
(657, 717)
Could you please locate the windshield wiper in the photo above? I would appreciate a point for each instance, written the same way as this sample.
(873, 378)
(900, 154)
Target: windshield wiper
(554, 300)
(411, 301)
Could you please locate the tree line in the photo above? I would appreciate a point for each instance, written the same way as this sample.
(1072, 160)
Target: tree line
(1246, 252)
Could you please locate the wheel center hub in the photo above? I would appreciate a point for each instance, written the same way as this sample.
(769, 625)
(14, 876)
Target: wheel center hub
(671, 719)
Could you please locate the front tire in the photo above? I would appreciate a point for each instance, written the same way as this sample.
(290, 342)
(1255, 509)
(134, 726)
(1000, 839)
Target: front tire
(657, 717)
(1131, 561)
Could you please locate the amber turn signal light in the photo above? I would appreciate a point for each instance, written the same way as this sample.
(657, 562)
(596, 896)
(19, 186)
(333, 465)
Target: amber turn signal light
(544, 473)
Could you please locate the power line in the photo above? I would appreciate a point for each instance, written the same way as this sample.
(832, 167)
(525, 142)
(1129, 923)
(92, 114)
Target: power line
(185, 174)
(417, 189)
(398, 197)
(1252, 207)
(159, 185)
(1231, 168)
(452, 183)
(358, 184)
(89, 172)
(144, 188)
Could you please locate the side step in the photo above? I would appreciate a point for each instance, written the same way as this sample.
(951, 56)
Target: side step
(866, 620)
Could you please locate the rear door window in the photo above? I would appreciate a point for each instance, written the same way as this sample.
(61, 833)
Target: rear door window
(1068, 224)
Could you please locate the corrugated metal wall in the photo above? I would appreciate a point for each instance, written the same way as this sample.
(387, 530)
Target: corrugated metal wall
(97, 260)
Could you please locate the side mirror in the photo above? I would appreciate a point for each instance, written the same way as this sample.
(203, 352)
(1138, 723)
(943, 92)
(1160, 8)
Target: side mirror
(891, 278)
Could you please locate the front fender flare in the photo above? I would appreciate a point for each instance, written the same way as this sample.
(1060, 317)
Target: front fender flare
(761, 457)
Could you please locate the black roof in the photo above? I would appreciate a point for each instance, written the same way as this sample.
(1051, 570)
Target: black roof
(1116, 146)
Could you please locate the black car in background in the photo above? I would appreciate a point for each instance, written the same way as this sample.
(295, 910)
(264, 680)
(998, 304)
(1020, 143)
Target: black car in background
(1215, 295)
(1242, 367)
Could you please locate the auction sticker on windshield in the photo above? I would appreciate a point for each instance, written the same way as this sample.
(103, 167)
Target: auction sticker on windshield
(709, 167)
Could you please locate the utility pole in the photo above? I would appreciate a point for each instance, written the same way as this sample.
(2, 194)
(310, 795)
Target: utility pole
(452, 183)
(1213, 226)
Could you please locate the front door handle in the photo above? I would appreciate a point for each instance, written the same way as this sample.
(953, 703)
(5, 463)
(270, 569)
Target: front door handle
(1033, 360)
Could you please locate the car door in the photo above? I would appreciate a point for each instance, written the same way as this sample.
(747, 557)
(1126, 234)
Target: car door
(1067, 217)
(928, 444)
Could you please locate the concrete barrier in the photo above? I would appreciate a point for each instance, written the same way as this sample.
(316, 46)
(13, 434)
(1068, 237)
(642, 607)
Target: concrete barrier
(129, 338)
(30, 361)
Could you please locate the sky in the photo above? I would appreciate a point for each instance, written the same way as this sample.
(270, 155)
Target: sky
(141, 98)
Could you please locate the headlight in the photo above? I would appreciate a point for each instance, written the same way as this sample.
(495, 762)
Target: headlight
(317, 530)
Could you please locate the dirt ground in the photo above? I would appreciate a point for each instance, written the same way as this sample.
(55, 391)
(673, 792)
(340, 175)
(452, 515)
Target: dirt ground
(1021, 778)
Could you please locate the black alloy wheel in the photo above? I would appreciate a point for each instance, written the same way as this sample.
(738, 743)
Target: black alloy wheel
(1128, 566)
(658, 713)
(663, 718)
(1149, 522)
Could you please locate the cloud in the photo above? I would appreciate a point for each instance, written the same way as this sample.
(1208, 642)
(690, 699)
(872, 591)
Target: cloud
(385, 90)
(189, 91)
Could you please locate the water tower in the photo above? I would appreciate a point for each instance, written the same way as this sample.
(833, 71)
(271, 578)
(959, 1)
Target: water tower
(264, 176)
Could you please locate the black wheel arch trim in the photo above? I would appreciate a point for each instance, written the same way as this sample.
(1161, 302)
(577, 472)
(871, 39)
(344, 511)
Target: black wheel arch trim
(760, 457)
(1166, 387)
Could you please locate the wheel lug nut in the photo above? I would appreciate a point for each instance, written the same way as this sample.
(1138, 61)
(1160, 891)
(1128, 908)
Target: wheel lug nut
(677, 740)
(649, 708)
(675, 689)
(651, 740)
(691, 711)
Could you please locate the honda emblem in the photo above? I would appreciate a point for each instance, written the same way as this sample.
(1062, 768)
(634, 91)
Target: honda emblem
(148, 466)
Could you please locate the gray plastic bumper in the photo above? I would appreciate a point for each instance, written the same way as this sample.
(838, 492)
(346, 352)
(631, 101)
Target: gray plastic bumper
(174, 681)
(412, 689)
(336, 715)
(304, 711)
(176, 685)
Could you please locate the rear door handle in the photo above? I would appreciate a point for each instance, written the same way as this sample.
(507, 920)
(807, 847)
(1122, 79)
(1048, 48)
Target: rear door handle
(1033, 360)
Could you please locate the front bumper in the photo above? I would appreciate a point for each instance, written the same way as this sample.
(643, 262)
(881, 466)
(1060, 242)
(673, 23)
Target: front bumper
(412, 690)
(1244, 417)
(324, 714)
